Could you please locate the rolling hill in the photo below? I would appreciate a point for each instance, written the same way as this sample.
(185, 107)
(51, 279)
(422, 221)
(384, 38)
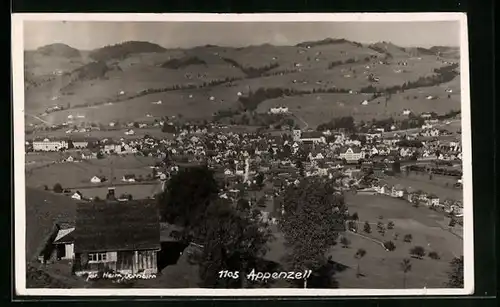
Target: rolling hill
(124, 79)
(61, 50)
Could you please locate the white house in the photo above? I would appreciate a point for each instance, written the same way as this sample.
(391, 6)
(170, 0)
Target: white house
(397, 191)
(128, 178)
(48, 145)
(95, 179)
(351, 154)
(364, 102)
(130, 132)
(77, 195)
(278, 110)
(406, 112)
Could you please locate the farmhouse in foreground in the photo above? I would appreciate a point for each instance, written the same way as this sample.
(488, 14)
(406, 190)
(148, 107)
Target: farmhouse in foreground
(111, 235)
(128, 245)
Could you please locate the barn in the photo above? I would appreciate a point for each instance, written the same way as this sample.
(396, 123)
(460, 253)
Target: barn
(116, 236)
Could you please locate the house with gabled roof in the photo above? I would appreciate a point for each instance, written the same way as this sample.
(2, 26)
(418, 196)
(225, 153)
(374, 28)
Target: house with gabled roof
(351, 154)
(127, 245)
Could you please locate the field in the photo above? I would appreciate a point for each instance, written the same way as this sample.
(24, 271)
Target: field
(73, 175)
(101, 134)
(380, 267)
(426, 227)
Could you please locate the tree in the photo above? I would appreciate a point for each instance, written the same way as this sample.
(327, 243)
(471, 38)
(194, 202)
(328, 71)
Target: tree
(57, 188)
(259, 180)
(231, 241)
(242, 205)
(367, 228)
(345, 242)
(417, 252)
(408, 238)
(360, 253)
(434, 255)
(396, 167)
(453, 222)
(168, 128)
(396, 236)
(456, 273)
(306, 205)
(381, 228)
(389, 245)
(45, 187)
(187, 195)
(355, 216)
(405, 266)
(390, 225)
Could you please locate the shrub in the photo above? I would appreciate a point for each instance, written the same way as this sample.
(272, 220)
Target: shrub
(452, 223)
(57, 188)
(389, 245)
(367, 228)
(408, 238)
(390, 225)
(434, 255)
(417, 252)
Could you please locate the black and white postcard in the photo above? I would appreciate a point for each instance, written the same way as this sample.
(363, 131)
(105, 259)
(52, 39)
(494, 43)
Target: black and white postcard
(242, 154)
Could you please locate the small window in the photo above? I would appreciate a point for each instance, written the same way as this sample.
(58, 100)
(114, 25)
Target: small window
(97, 257)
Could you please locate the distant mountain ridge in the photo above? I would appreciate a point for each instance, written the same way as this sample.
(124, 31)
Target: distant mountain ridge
(122, 50)
(58, 49)
(328, 41)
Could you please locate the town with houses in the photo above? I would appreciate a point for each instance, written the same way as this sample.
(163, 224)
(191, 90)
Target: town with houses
(238, 157)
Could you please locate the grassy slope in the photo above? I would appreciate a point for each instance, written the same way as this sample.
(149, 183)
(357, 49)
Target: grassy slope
(142, 71)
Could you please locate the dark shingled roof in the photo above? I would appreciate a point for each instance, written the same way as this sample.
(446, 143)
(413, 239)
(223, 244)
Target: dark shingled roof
(117, 226)
(311, 135)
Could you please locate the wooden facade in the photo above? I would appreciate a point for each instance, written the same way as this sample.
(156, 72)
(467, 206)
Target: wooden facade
(124, 262)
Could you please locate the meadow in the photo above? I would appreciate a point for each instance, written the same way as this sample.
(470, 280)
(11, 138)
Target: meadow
(73, 175)
(381, 268)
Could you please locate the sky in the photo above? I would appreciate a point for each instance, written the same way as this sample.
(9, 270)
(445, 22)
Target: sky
(85, 35)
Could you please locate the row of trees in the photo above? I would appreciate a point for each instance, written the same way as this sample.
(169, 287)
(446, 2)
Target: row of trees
(345, 122)
(184, 62)
(252, 72)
